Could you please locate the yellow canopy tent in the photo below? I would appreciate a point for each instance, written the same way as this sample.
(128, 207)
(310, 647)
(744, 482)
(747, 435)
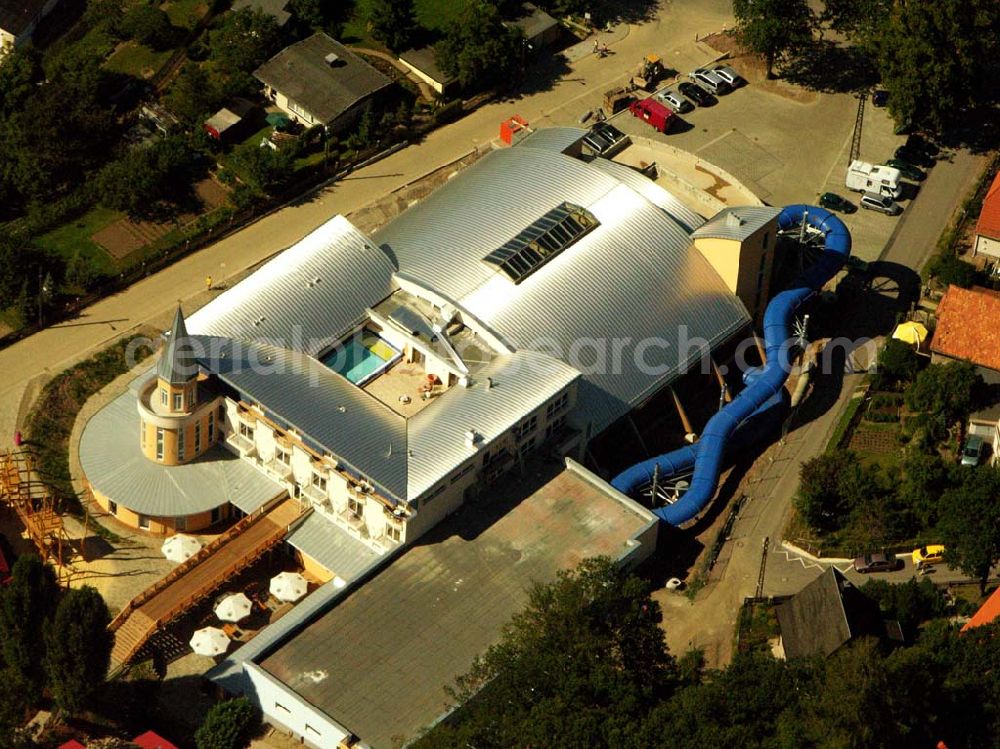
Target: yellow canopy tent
(911, 332)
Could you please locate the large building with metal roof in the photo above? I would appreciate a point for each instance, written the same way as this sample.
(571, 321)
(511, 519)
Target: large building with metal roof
(528, 304)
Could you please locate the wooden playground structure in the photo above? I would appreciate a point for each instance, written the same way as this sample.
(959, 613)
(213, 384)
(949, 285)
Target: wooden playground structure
(35, 507)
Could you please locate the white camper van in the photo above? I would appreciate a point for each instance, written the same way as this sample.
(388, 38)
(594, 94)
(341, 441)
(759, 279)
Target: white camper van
(878, 179)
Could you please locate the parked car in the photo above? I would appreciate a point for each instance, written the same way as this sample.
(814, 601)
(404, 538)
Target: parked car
(834, 202)
(675, 101)
(730, 76)
(877, 563)
(711, 81)
(881, 203)
(604, 139)
(974, 450)
(907, 169)
(928, 555)
(697, 94)
(880, 98)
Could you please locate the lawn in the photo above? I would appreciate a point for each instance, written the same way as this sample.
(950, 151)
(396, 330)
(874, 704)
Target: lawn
(74, 237)
(137, 60)
(185, 13)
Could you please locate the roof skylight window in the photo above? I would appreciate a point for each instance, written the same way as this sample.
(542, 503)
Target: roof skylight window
(541, 241)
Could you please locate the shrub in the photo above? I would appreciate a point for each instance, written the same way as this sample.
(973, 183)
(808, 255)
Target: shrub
(228, 725)
(449, 112)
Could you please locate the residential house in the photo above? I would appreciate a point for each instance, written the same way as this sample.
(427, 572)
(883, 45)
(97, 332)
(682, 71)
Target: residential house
(319, 81)
(989, 612)
(966, 329)
(826, 615)
(277, 9)
(18, 19)
(988, 225)
(539, 28)
(423, 64)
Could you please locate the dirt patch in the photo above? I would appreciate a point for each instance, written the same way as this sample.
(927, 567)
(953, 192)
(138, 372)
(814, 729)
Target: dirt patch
(753, 69)
(125, 236)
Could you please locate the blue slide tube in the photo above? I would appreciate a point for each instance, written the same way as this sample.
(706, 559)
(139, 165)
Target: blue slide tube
(764, 390)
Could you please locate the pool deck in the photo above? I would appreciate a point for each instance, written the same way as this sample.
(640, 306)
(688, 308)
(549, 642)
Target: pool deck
(399, 380)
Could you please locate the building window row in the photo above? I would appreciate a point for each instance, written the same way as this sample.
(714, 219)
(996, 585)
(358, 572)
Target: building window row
(180, 443)
(356, 506)
(159, 443)
(526, 427)
(555, 426)
(461, 474)
(436, 493)
(557, 405)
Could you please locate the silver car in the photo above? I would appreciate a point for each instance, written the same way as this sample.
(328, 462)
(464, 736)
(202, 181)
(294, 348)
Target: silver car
(675, 101)
(710, 80)
(881, 203)
(730, 76)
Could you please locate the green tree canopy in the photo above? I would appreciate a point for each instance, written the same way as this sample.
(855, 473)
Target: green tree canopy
(898, 361)
(393, 22)
(938, 46)
(244, 40)
(193, 95)
(970, 523)
(228, 725)
(26, 605)
(479, 50)
(147, 25)
(831, 485)
(952, 271)
(947, 390)
(266, 168)
(583, 662)
(78, 648)
(19, 76)
(773, 28)
(145, 177)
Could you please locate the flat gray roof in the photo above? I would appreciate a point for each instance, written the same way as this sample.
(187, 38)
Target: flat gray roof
(330, 545)
(114, 465)
(388, 650)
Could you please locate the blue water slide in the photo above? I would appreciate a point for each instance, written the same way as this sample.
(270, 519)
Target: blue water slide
(750, 415)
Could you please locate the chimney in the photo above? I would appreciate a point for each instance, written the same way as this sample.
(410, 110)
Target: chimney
(471, 439)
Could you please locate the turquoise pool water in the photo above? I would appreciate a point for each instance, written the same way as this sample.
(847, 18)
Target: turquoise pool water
(360, 358)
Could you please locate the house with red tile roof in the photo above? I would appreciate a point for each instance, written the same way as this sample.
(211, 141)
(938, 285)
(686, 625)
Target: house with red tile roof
(988, 225)
(968, 327)
(150, 740)
(987, 613)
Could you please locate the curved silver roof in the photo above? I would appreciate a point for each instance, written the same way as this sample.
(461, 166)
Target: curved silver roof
(308, 296)
(634, 282)
(651, 191)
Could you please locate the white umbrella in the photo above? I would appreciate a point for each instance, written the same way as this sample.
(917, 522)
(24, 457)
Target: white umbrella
(180, 548)
(234, 607)
(288, 586)
(209, 641)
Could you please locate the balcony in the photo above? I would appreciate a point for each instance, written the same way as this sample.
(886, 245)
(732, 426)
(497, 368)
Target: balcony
(245, 447)
(276, 468)
(315, 494)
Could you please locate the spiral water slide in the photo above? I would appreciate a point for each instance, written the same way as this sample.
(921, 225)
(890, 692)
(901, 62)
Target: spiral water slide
(750, 415)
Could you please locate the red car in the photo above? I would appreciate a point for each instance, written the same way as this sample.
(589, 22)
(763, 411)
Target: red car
(653, 112)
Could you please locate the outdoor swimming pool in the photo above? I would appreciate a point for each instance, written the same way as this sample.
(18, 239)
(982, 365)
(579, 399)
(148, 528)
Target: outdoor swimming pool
(361, 357)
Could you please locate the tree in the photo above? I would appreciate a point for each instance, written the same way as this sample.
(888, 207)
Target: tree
(147, 24)
(939, 47)
(945, 390)
(970, 523)
(19, 76)
(898, 362)
(831, 485)
(244, 40)
(192, 96)
(228, 725)
(144, 177)
(479, 50)
(580, 666)
(26, 605)
(78, 648)
(393, 22)
(909, 603)
(925, 479)
(773, 28)
(266, 168)
(952, 271)
(861, 20)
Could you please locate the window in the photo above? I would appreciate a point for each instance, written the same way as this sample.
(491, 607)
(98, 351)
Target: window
(436, 493)
(461, 474)
(309, 729)
(112, 507)
(281, 707)
(542, 241)
(526, 427)
(554, 427)
(159, 443)
(283, 456)
(526, 447)
(197, 437)
(180, 443)
(296, 109)
(356, 506)
(246, 431)
(178, 401)
(556, 405)
(394, 532)
(163, 397)
(211, 428)
(144, 522)
(764, 242)
(319, 481)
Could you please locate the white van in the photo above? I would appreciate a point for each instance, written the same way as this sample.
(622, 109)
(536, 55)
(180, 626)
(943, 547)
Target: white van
(878, 179)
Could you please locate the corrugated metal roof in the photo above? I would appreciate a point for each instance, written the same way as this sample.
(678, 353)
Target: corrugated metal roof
(651, 191)
(283, 302)
(635, 278)
(559, 139)
(115, 466)
(332, 546)
(361, 431)
(737, 223)
(521, 382)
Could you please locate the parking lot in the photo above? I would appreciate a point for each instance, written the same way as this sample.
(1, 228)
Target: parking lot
(786, 144)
